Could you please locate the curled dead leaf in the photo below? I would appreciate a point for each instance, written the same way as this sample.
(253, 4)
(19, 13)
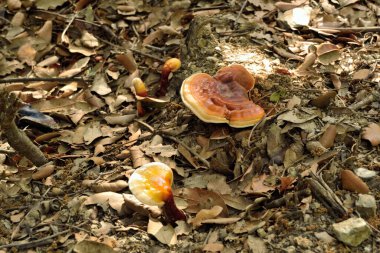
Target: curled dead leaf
(205, 214)
(43, 172)
(105, 186)
(372, 134)
(352, 182)
(131, 202)
(322, 101)
(328, 137)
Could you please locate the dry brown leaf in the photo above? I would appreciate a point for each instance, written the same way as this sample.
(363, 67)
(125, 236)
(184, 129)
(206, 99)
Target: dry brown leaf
(361, 74)
(27, 53)
(328, 137)
(198, 199)
(131, 202)
(205, 214)
(128, 61)
(87, 246)
(372, 134)
(213, 247)
(323, 100)
(115, 200)
(336, 81)
(43, 172)
(286, 183)
(105, 186)
(352, 182)
(14, 4)
(237, 202)
(258, 185)
(164, 234)
(45, 32)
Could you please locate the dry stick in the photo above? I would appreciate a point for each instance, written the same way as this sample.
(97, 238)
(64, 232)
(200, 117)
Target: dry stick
(371, 98)
(343, 30)
(35, 243)
(188, 148)
(240, 12)
(17, 139)
(43, 79)
(285, 199)
(326, 196)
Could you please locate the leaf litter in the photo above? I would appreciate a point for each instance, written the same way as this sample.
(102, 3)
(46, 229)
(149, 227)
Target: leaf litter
(269, 188)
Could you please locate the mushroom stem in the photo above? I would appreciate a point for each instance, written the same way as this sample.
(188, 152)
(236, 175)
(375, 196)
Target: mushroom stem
(170, 66)
(171, 211)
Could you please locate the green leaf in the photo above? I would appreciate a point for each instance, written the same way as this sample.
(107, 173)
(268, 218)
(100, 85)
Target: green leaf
(275, 97)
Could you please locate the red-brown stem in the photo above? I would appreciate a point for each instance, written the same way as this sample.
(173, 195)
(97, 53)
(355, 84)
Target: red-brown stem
(171, 211)
(140, 109)
(164, 81)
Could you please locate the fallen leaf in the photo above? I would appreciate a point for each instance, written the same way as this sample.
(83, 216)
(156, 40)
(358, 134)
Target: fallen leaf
(115, 200)
(372, 134)
(205, 214)
(164, 234)
(87, 246)
(361, 74)
(352, 182)
(258, 185)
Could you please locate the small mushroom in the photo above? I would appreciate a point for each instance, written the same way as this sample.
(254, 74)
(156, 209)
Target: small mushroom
(171, 65)
(222, 98)
(151, 184)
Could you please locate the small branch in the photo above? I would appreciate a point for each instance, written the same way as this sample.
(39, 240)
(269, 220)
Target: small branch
(326, 196)
(345, 30)
(43, 79)
(35, 243)
(204, 161)
(371, 98)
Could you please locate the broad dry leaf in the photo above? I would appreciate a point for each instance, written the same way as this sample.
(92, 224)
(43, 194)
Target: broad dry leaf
(258, 185)
(205, 214)
(213, 247)
(361, 74)
(198, 199)
(100, 85)
(164, 234)
(14, 4)
(237, 202)
(115, 200)
(87, 246)
(286, 183)
(27, 53)
(49, 4)
(372, 134)
(46, 31)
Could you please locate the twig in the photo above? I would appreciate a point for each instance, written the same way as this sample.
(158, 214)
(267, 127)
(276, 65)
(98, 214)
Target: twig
(344, 30)
(240, 12)
(371, 98)
(31, 244)
(219, 7)
(326, 196)
(67, 27)
(43, 79)
(204, 161)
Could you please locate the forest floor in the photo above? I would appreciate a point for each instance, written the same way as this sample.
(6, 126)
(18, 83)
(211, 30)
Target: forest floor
(285, 184)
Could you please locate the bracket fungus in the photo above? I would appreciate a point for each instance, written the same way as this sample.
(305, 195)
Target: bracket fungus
(222, 98)
(151, 184)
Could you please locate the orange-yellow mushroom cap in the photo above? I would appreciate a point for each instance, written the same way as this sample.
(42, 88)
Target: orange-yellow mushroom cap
(173, 64)
(151, 183)
(222, 98)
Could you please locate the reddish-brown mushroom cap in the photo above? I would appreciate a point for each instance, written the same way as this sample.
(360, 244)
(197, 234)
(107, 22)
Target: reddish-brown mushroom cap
(222, 98)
